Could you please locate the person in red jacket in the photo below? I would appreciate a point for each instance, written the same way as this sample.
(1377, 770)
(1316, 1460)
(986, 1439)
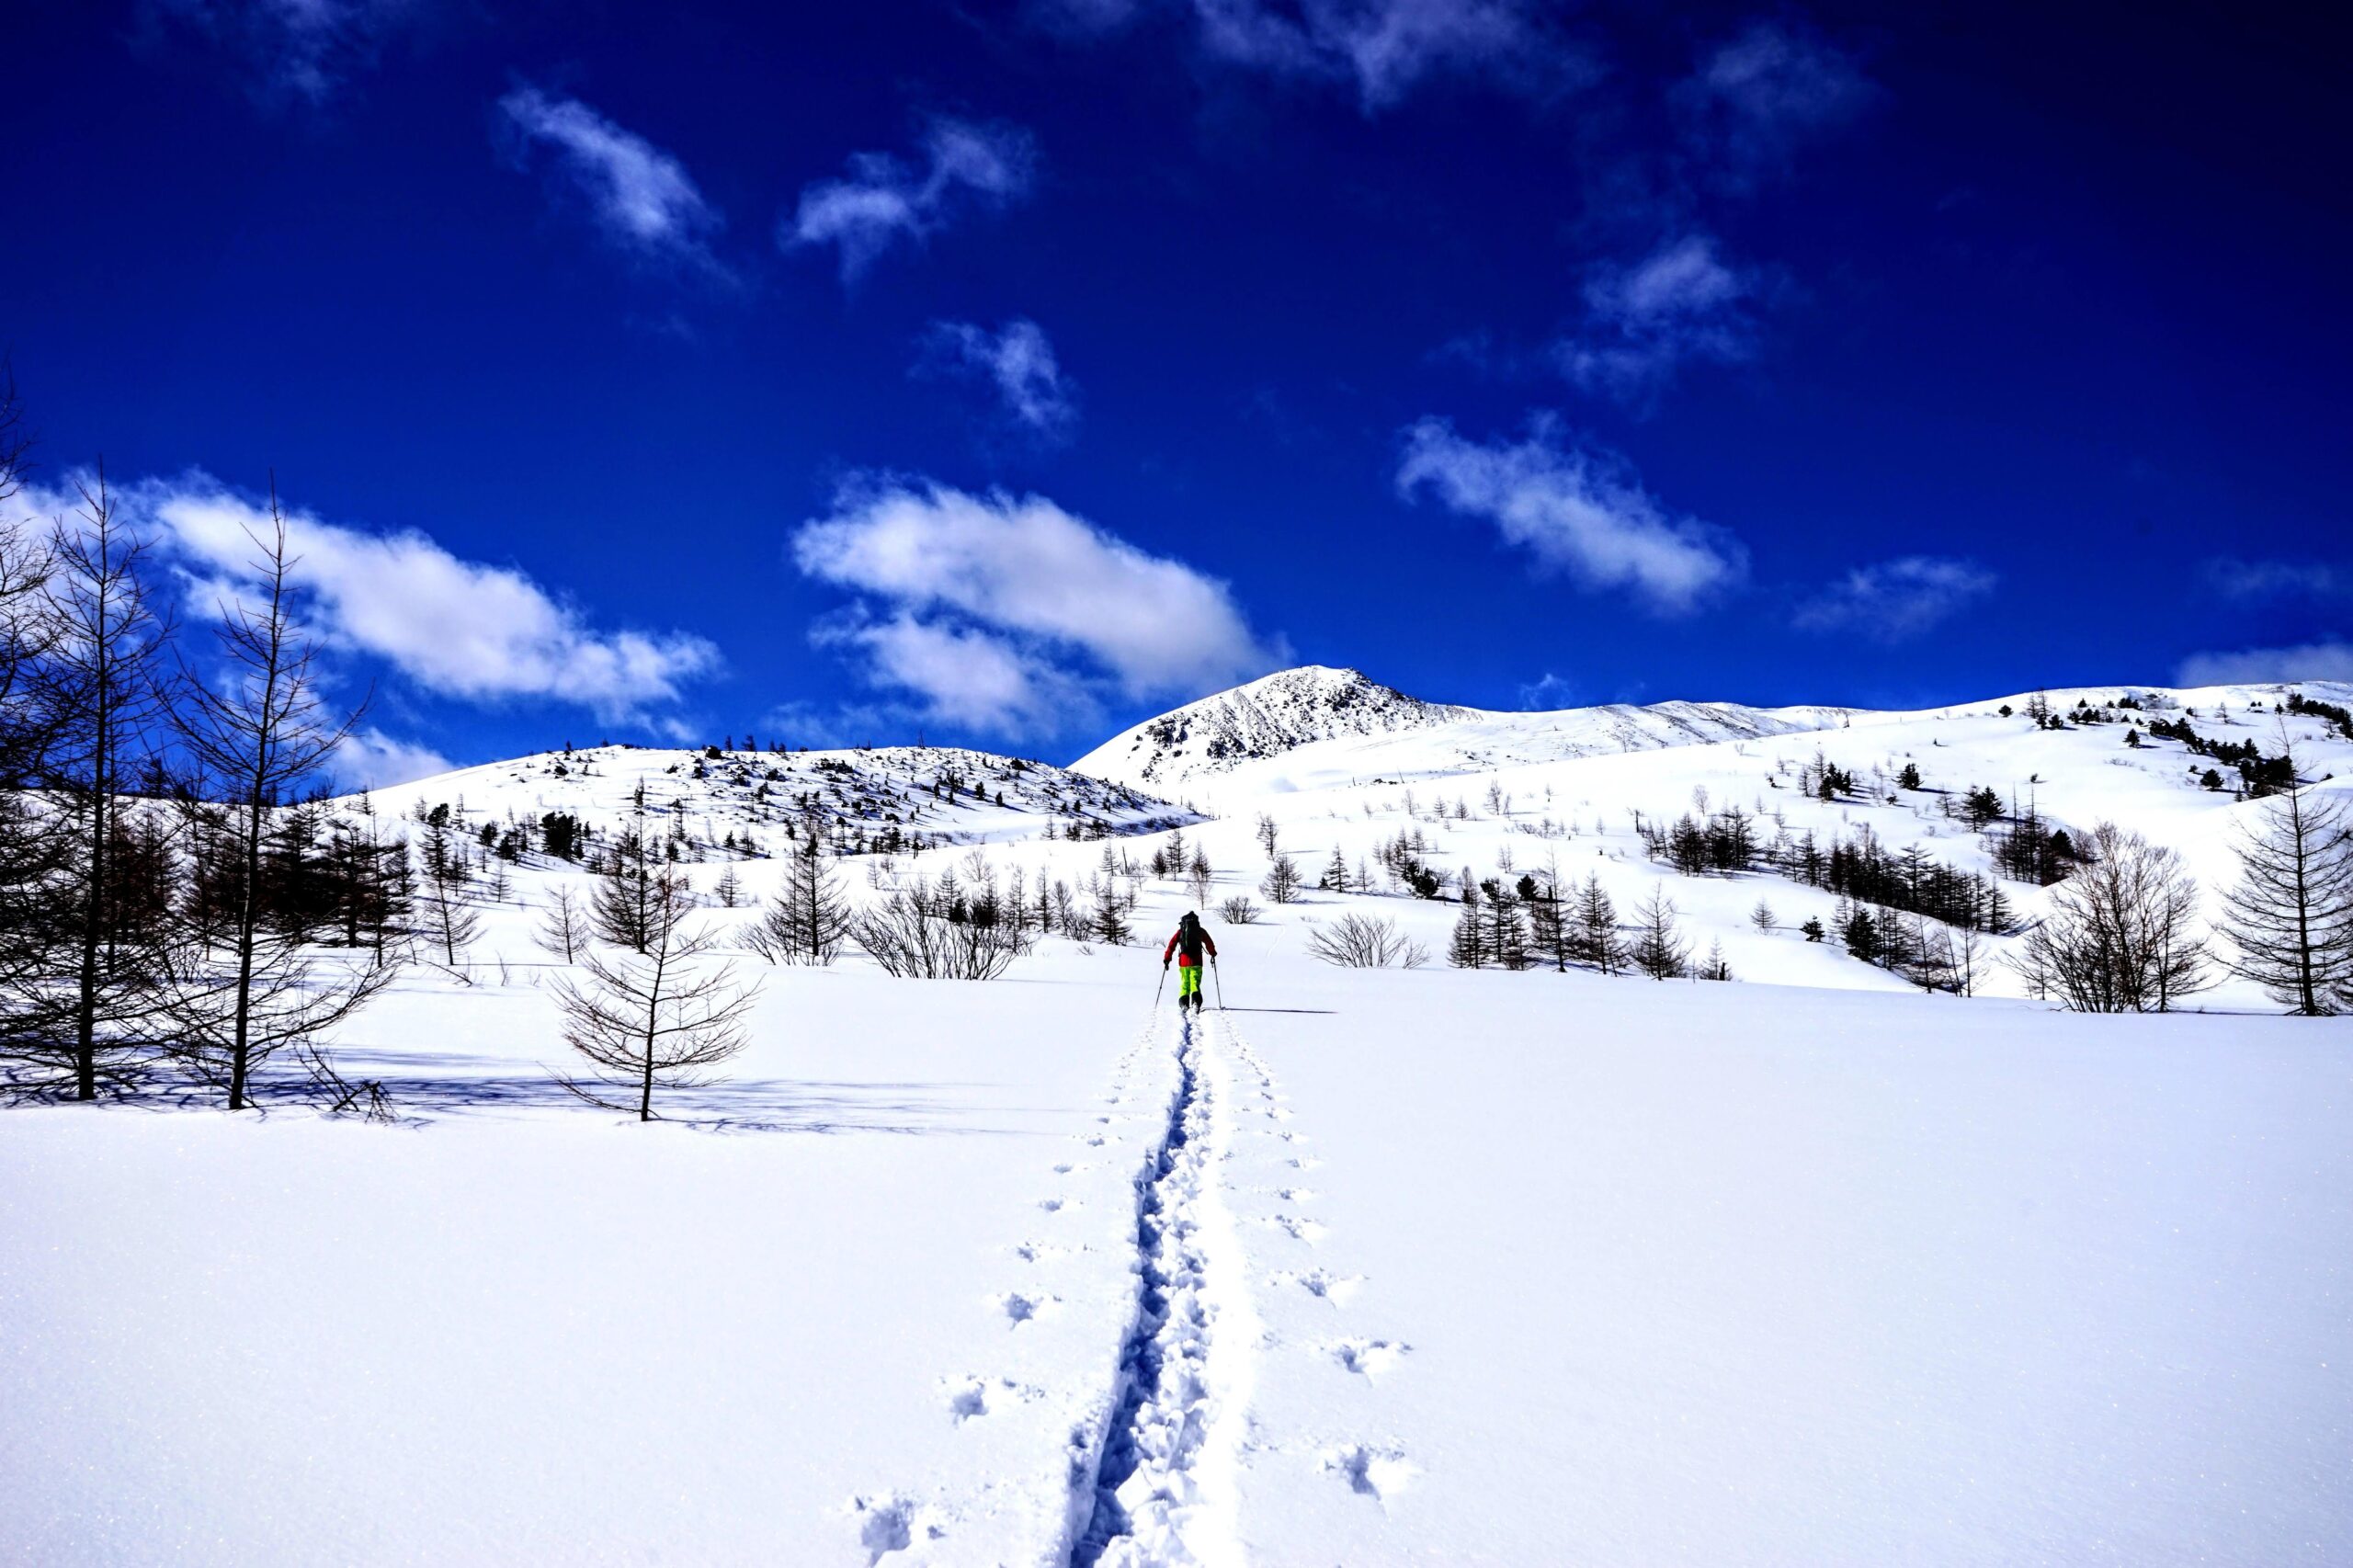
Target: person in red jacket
(1187, 947)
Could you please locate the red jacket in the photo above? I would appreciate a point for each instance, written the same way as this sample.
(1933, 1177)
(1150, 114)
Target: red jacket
(1186, 961)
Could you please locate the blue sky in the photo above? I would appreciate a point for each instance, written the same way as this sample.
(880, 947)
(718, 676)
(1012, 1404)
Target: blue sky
(1010, 372)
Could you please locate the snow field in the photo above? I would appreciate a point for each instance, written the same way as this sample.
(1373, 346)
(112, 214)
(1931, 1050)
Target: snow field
(1378, 1266)
(1616, 1272)
(877, 1315)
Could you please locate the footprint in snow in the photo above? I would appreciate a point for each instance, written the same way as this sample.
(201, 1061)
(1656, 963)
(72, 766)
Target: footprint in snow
(1324, 1285)
(1297, 1229)
(1377, 1473)
(1019, 1308)
(1054, 1205)
(1305, 1162)
(889, 1523)
(969, 1397)
(1369, 1358)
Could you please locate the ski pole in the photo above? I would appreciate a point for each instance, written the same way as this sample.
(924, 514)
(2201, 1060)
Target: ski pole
(1219, 975)
(1159, 988)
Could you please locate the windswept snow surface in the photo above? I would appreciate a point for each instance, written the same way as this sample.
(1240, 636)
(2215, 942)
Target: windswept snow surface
(1378, 1267)
(1318, 725)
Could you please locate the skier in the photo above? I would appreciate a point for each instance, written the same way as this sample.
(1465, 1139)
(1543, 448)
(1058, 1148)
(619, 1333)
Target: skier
(1187, 947)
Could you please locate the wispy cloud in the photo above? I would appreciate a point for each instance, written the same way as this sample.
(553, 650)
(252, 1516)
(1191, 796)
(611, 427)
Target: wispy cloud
(640, 197)
(1383, 48)
(1895, 600)
(1011, 614)
(1018, 361)
(1546, 693)
(884, 199)
(301, 49)
(2331, 659)
(370, 759)
(2253, 580)
(1754, 100)
(1575, 508)
(456, 628)
(1680, 303)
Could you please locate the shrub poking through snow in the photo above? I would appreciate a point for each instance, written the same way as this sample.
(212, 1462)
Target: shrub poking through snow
(916, 934)
(1362, 941)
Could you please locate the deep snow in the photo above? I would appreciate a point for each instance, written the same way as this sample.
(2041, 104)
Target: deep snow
(1377, 1267)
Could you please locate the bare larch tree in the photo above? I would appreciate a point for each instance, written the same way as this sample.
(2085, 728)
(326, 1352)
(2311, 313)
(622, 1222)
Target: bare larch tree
(2290, 914)
(811, 920)
(103, 675)
(257, 737)
(654, 1018)
(564, 925)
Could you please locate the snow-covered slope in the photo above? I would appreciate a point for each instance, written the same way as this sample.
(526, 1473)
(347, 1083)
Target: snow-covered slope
(1267, 717)
(884, 797)
(1329, 724)
(1820, 1269)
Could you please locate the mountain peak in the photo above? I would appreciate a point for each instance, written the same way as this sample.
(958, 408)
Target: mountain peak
(1262, 718)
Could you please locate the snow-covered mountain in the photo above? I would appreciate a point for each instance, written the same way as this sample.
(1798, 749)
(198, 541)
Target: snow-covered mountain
(1265, 717)
(885, 798)
(1332, 725)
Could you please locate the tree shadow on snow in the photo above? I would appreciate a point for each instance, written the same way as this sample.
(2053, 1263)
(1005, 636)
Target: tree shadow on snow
(424, 1083)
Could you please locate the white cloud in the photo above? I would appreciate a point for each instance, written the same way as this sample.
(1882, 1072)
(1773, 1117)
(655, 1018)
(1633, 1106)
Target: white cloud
(1019, 360)
(2238, 579)
(458, 627)
(1679, 302)
(639, 195)
(1008, 613)
(964, 675)
(1383, 48)
(1755, 97)
(884, 199)
(1896, 599)
(2330, 660)
(305, 48)
(370, 759)
(1576, 509)
(1546, 693)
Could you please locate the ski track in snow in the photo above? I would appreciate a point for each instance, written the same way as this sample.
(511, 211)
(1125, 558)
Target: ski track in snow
(1164, 1489)
(1153, 1461)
